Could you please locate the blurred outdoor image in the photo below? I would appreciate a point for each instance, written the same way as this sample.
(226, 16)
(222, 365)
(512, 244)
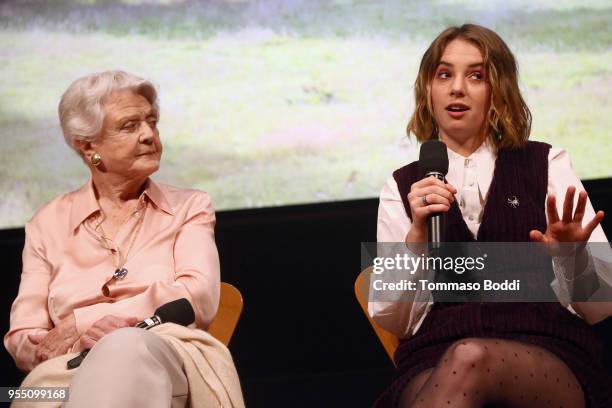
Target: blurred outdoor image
(277, 102)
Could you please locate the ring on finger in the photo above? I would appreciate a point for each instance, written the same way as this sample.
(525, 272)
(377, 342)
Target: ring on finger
(424, 200)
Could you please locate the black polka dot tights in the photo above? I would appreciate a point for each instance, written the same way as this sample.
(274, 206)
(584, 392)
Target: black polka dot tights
(476, 373)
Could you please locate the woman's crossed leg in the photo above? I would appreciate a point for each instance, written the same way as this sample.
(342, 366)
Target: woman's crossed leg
(477, 372)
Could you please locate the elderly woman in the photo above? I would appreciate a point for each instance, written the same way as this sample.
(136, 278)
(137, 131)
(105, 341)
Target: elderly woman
(101, 258)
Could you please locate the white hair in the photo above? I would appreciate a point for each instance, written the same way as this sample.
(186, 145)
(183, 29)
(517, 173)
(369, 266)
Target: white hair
(80, 110)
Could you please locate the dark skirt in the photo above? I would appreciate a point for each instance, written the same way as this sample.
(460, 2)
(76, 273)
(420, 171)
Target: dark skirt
(547, 325)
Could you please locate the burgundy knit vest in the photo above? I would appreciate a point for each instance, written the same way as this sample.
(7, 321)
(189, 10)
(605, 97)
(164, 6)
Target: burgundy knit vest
(520, 175)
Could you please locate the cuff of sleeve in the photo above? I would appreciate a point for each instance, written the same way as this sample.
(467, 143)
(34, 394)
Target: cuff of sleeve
(584, 287)
(565, 266)
(22, 349)
(417, 316)
(579, 285)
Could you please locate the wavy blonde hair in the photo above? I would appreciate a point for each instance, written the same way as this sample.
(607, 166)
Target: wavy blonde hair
(508, 119)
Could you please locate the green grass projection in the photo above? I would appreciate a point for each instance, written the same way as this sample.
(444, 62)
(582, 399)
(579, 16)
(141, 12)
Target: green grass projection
(279, 102)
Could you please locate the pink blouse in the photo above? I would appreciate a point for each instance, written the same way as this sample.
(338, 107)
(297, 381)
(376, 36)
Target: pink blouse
(170, 255)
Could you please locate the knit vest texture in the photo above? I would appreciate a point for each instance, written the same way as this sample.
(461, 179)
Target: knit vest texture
(519, 175)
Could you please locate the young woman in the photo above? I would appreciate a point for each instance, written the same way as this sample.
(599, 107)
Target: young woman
(490, 354)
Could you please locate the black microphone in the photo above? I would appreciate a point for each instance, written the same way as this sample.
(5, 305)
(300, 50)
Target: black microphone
(178, 311)
(433, 161)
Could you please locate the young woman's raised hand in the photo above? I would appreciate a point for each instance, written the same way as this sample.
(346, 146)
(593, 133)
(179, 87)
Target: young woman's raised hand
(569, 227)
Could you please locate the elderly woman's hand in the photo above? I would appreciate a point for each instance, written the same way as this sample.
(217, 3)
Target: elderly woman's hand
(104, 326)
(57, 341)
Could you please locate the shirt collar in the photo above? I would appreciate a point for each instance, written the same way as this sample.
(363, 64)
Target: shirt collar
(156, 194)
(85, 203)
(483, 159)
(485, 150)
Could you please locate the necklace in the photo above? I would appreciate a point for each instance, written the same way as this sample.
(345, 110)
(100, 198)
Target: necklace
(120, 260)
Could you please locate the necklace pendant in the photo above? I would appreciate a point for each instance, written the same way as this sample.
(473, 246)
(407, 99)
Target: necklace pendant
(120, 273)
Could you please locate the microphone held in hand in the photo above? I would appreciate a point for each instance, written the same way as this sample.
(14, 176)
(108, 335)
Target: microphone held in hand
(433, 161)
(178, 311)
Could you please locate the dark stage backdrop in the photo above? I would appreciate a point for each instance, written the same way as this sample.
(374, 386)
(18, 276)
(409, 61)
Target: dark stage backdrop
(302, 340)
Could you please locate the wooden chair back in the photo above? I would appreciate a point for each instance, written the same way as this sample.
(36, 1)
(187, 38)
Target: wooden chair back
(230, 308)
(389, 341)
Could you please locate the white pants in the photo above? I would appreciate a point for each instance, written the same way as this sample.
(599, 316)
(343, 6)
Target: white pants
(130, 367)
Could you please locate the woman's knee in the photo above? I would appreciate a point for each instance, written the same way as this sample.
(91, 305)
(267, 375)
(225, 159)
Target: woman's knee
(127, 344)
(122, 338)
(468, 354)
(466, 363)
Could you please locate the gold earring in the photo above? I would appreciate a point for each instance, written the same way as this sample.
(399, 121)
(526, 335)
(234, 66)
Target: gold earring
(96, 159)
